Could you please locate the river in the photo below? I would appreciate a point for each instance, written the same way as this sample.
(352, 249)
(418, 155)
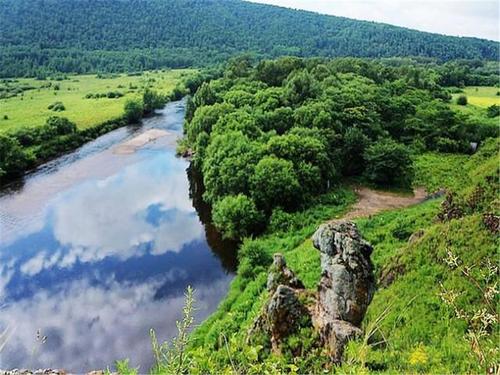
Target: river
(98, 246)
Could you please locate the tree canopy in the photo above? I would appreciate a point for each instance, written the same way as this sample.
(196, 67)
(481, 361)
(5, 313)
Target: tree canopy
(42, 36)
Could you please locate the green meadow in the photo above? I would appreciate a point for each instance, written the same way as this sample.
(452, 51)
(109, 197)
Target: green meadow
(483, 97)
(29, 108)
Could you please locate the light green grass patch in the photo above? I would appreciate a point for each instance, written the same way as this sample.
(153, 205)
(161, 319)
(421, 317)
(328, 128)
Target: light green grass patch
(30, 108)
(480, 96)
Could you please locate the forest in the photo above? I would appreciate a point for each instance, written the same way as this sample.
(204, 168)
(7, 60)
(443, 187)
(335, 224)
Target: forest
(44, 36)
(269, 138)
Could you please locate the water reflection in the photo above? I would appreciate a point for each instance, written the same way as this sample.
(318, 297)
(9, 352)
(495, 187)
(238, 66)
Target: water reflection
(105, 256)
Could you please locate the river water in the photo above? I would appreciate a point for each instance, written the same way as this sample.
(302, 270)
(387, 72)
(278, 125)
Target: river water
(98, 247)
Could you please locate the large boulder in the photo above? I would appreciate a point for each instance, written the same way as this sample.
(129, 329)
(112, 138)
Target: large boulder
(346, 287)
(347, 282)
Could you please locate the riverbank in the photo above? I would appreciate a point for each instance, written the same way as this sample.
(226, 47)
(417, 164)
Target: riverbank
(414, 241)
(97, 239)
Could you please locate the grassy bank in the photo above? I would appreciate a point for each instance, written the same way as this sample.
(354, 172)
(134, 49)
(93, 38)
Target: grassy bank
(86, 107)
(427, 315)
(29, 106)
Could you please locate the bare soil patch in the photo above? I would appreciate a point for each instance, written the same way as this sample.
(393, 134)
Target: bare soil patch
(371, 201)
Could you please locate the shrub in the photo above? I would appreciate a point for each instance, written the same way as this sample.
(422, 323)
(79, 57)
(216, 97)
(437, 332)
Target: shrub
(151, 100)
(462, 100)
(5, 117)
(13, 161)
(57, 107)
(388, 162)
(236, 216)
(133, 110)
(493, 111)
(59, 126)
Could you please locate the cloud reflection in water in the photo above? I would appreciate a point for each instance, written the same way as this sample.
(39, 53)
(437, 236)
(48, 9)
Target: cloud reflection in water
(111, 260)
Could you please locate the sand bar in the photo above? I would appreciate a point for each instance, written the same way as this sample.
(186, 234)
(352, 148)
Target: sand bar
(131, 146)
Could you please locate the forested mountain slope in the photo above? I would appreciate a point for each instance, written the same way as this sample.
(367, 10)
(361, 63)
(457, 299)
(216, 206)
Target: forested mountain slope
(112, 35)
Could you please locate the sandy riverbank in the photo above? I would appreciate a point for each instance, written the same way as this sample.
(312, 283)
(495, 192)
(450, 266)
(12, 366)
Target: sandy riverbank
(131, 146)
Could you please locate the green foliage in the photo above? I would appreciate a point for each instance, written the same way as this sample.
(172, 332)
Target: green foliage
(462, 100)
(286, 130)
(57, 107)
(94, 36)
(151, 100)
(436, 307)
(236, 216)
(388, 162)
(171, 357)
(123, 368)
(134, 109)
(13, 161)
(493, 111)
(274, 183)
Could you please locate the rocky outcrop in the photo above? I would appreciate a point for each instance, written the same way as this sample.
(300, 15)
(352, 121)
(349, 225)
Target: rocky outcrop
(280, 274)
(347, 281)
(283, 313)
(347, 284)
(345, 290)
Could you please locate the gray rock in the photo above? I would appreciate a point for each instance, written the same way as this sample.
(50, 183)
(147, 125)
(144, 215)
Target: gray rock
(347, 282)
(283, 314)
(335, 334)
(280, 274)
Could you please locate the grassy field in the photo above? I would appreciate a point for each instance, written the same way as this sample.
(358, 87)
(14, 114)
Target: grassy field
(30, 108)
(480, 96)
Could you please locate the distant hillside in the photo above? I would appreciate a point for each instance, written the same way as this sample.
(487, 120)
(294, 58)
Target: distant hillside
(39, 36)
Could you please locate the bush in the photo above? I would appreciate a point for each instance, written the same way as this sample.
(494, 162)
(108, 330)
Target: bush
(462, 100)
(151, 100)
(388, 162)
(57, 107)
(236, 216)
(493, 111)
(13, 161)
(59, 126)
(133, 110)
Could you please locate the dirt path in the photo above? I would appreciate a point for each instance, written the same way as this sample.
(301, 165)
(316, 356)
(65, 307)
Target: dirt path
(371, 201)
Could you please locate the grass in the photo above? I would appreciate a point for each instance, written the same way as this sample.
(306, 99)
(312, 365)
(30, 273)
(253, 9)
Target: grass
(436, 170)
(29, 109)
(409, 327)
(479, 96)
(482, 96)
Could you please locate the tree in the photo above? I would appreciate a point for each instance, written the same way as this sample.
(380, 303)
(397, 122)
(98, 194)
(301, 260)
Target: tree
(355, 143)
(59, 126)
(151, 100)
(462, 100)
(236, 216)
(13, 161)
(274, 184)
(388, 162)
(133, 110)
(204, 96)
(229, 163)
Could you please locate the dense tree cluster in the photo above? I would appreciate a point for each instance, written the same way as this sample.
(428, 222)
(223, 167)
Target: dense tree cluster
(39, 37)
(271, 136)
